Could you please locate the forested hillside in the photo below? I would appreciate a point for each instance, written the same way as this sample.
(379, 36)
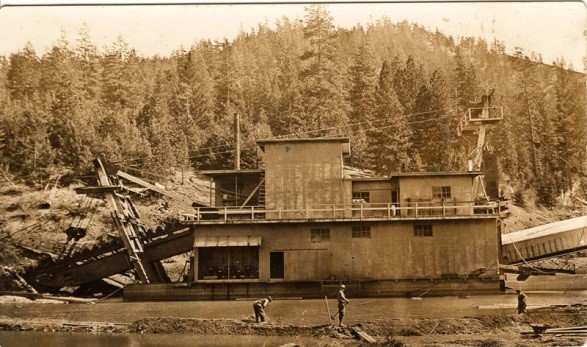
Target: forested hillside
(396, 89)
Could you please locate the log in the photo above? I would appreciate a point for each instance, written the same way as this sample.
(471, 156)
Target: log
(569, 328)
(33, 296)
(70, 299)
(508, 306)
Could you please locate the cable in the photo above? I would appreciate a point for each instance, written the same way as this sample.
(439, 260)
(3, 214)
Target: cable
(159, 155)
(520, 254)
(365, 122)
(107, 296)
(355, 132)
(296, 134)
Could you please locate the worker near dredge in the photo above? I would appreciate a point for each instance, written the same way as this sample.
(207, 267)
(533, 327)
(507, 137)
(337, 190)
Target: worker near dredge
(259, 308)
(521, 302)
(342, 301)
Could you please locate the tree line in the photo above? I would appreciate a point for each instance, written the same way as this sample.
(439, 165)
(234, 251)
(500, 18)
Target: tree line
(396, 90)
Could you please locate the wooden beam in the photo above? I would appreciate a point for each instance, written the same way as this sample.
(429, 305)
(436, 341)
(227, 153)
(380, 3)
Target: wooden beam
(96, 190)
(143, 183)
(253, 192)
(127, 229)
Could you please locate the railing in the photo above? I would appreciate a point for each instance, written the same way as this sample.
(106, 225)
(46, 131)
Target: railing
(474, 116)
(343, 212)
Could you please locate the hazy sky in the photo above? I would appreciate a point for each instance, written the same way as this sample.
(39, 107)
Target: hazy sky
(553, 29)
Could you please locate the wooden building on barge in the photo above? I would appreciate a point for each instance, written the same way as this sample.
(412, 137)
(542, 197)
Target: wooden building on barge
(301, 225)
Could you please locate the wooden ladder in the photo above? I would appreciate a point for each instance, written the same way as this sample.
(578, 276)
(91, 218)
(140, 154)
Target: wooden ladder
(127, 222)
(261, 200)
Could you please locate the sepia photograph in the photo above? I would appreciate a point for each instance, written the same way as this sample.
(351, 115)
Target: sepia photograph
(284, 174)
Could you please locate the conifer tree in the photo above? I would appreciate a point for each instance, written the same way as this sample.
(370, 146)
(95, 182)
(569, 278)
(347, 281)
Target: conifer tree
(324, 107)
(407, 82)
(168, 142)
(388, 136)
(194, 102)
(23, 76)
(72, 122)
(362, 100)
(286, 115)
(569, 126)
(432, 129)
(88, 61)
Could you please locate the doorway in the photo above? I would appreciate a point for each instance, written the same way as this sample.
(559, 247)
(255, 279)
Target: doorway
(276, 265)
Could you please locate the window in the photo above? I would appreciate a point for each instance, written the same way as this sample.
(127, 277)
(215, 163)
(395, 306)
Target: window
(441, 192)
(365, 196)
(228, 263)
(319, 235)
(423, 230)
(361, 232)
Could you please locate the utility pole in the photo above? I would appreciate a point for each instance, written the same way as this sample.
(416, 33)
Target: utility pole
(237, 142)
(237, 154)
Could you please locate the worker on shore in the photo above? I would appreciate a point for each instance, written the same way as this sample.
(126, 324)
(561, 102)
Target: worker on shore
(342, 301)
(259, 308)
(521, 302)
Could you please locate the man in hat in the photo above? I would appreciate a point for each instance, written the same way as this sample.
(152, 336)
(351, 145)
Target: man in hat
(341, 302)
(259, 308)
(521, 302)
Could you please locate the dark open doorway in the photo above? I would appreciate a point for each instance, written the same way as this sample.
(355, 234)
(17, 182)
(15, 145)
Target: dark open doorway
(276, 265)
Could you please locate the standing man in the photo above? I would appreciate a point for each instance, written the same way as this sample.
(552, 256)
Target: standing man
(521, 302)
(259, 308)
(341, 302)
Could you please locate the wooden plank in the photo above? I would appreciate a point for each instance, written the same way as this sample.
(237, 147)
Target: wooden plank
(96, 190)
(143, 183)
(363, 335)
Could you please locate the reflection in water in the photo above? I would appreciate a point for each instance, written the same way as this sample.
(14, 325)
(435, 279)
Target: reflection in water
(22, 339)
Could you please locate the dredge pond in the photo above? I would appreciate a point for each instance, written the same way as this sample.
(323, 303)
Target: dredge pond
(308, 312)
(287, 312)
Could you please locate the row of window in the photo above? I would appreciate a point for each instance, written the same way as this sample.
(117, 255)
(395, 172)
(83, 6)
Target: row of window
(364, 231)
(438, 192)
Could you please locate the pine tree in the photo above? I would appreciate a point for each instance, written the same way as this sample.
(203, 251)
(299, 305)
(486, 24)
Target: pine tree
(569, 126)
(72, 123)
(531, 114)
(362, 100)
(286, 113)
(325, 107)
(122, 86)
(407, 82)
(156, 120)
(466, 82)
(88, 61)
(24, 74)
(388, 137)
(194, 102)
(432, 129)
